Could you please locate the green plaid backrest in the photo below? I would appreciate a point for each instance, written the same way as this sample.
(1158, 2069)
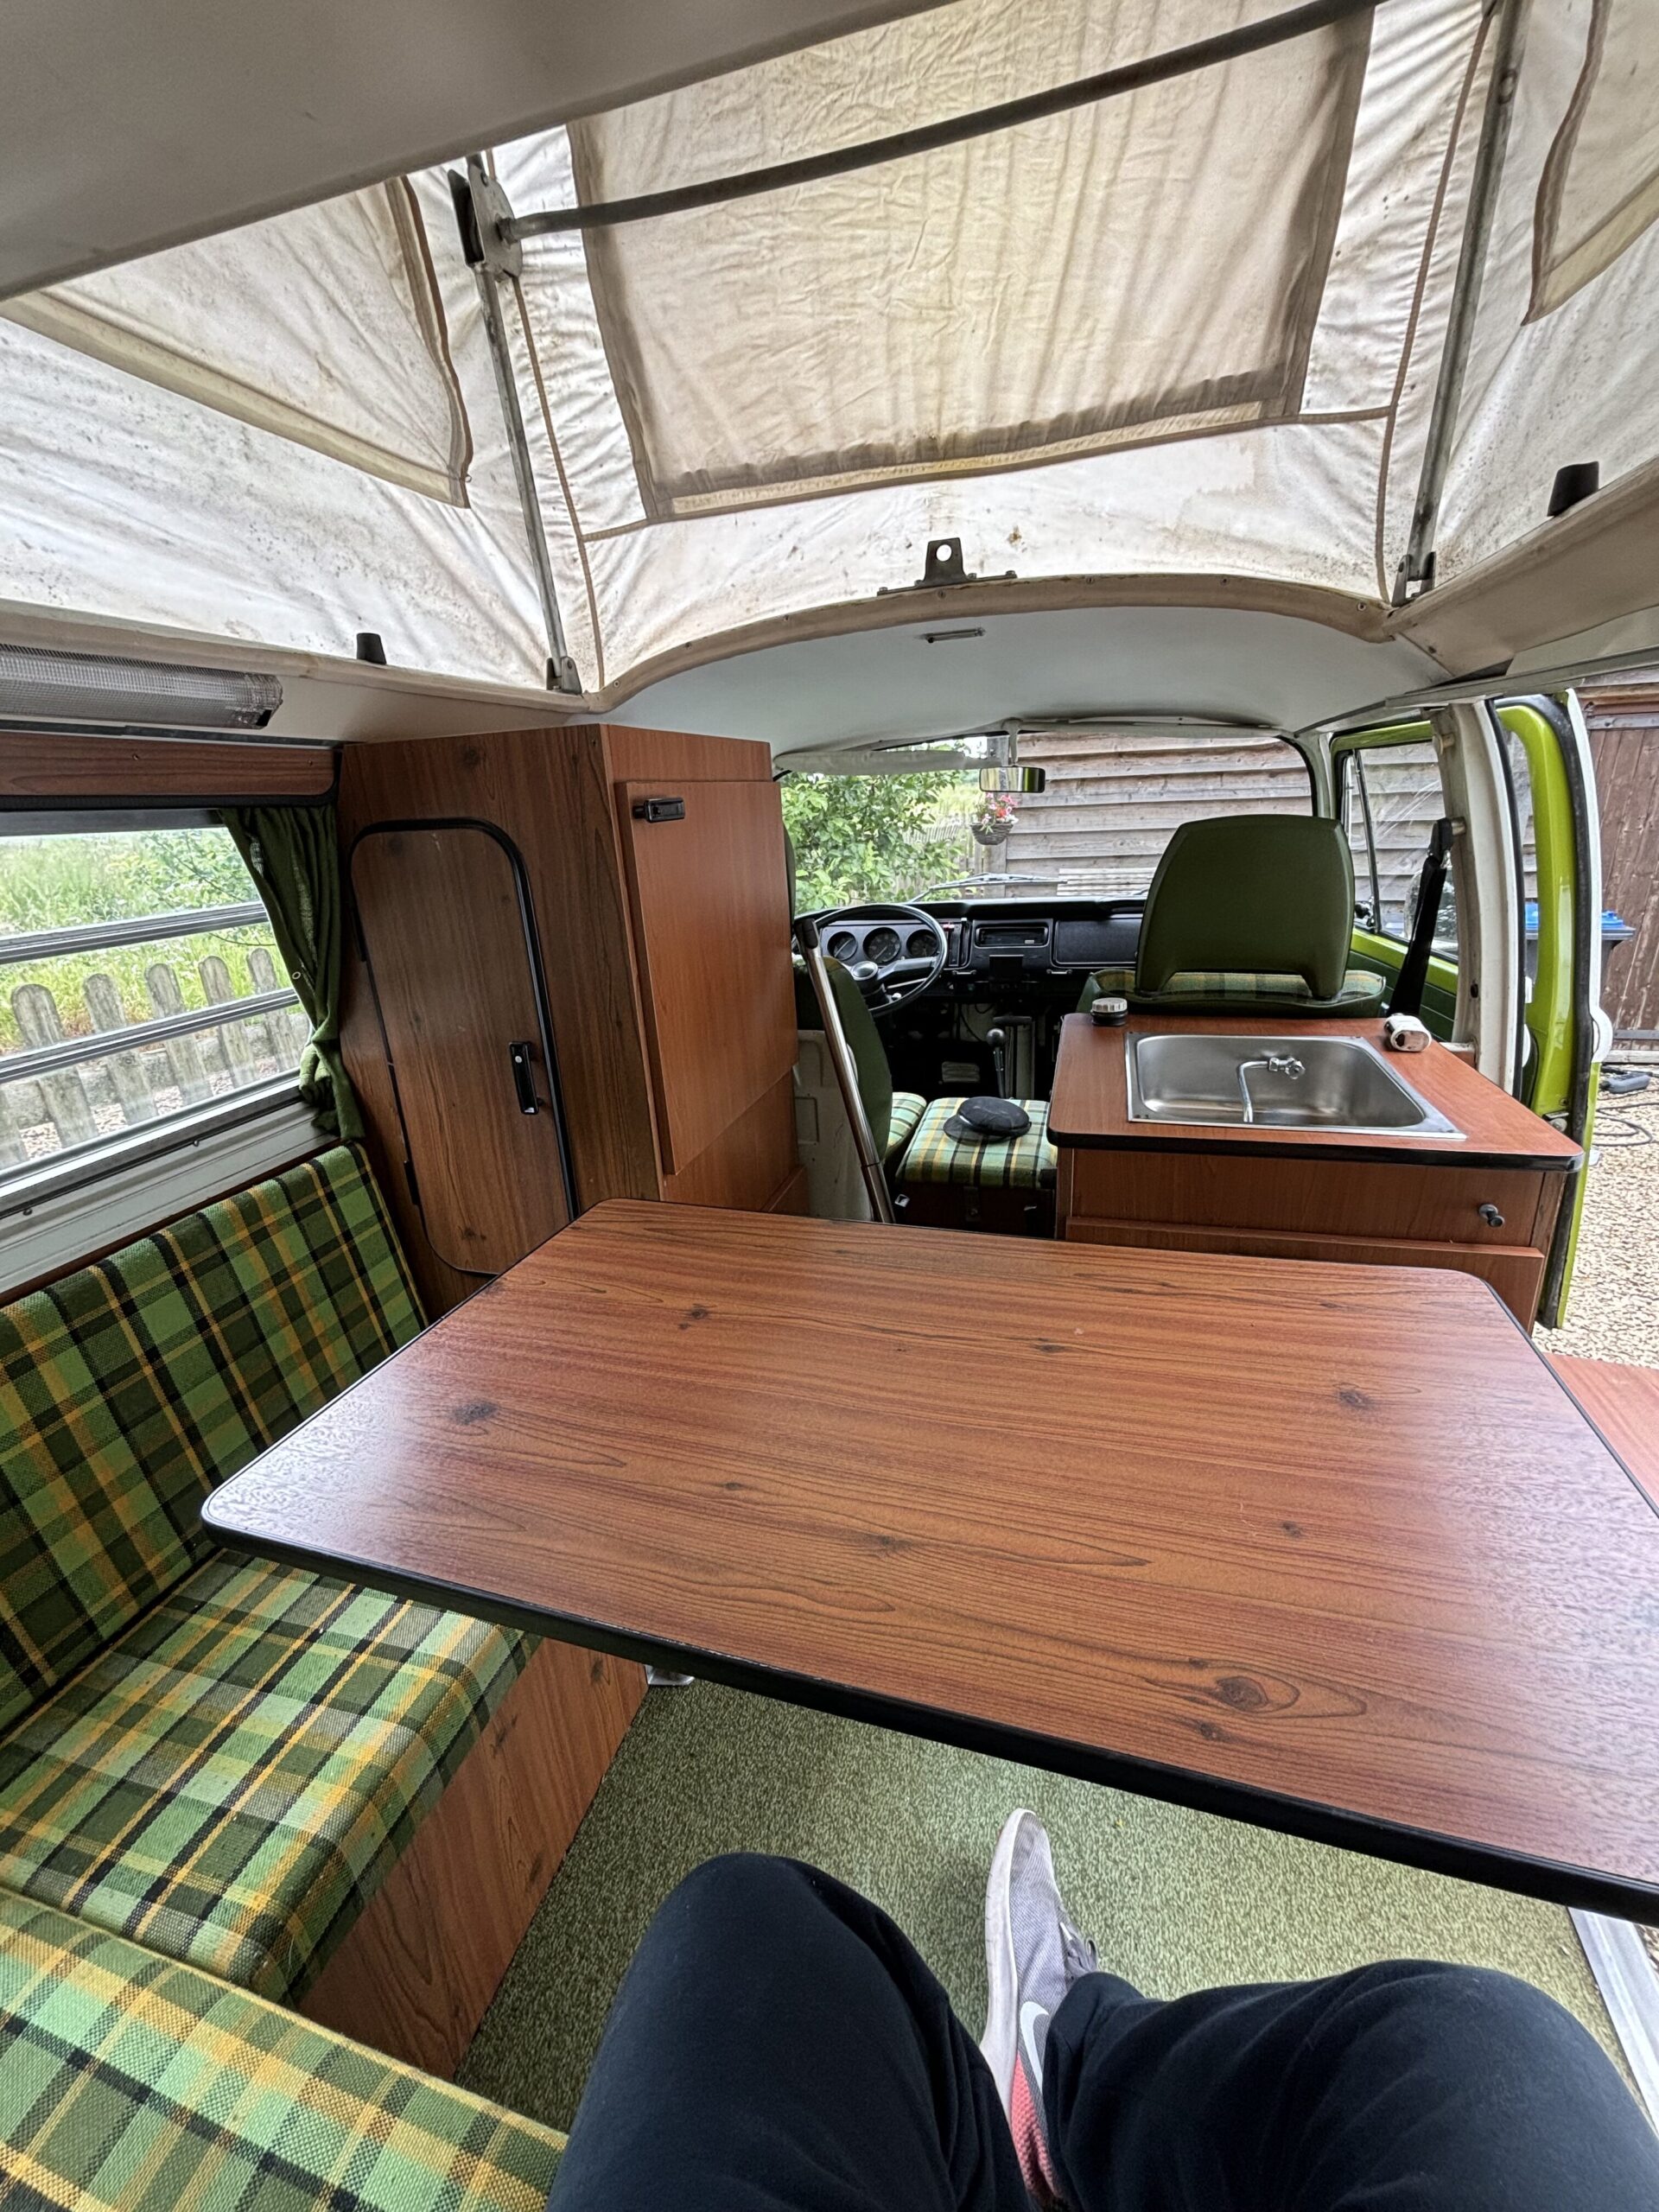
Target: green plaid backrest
(128, 1389)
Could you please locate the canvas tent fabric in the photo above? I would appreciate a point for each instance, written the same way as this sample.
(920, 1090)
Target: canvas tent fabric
(127, 495)
(355, 362)
(1192, 333)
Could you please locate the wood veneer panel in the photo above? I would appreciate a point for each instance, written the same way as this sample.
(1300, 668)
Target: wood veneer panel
(418, 1968)
(1328, 1547)
(1624, 1403)
(748, 1162)
(449, 959)
(1090, 1104)
(1516, 1273)
(1331, 1197)
(124, 767)
(711, 912)
(550, 792)
(793, 1196)
(642, 755)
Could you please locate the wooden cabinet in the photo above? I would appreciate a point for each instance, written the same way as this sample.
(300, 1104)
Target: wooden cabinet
(448, 942)
(521, 937)
(703, 863)
(1484, 1203)
(1398, 1213)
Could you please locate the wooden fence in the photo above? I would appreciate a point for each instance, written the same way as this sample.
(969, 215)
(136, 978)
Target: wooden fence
(1624, 723)
(70, 1088)
(1114, 797)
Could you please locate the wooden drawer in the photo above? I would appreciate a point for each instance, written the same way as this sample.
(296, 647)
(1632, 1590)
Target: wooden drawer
(1389, 1199)
(1516, 1273)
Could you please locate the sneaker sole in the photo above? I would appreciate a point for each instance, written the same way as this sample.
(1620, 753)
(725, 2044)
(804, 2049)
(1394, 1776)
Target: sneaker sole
(999, 2040)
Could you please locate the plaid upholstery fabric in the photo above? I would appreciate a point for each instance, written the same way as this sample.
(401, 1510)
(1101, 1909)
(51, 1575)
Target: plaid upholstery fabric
(907, 1111)
(230, 1779)
(936, 1157)
(129, 1389)
(1361, 990)
(127, 2081)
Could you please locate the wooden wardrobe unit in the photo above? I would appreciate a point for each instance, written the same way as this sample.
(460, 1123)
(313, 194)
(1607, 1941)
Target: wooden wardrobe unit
(566, 979)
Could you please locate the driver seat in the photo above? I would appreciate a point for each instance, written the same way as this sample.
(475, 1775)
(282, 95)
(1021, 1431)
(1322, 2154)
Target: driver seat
(892, 1114)
(949, 1182)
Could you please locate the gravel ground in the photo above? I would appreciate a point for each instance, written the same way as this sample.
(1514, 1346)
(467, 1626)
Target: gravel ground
(1612, 1311)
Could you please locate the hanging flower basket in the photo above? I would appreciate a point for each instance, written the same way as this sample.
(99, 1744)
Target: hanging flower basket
(993, 820)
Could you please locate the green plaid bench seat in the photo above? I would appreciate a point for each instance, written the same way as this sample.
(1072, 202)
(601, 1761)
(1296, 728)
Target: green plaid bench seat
(222, 1758)
(230, 1779)
(935, 1156)
(128, 2082)
(1219, 990)
(908, 1108)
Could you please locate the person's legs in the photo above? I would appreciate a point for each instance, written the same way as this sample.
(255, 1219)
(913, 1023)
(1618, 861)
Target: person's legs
(1416, 2087)
(1410, 2086)
(778, 2045)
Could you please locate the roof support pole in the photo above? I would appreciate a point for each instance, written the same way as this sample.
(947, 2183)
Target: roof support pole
(1416, 571)
(480, 206)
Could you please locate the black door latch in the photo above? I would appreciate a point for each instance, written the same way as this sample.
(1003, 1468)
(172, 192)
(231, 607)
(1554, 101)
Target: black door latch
(522, 1055)
(659, 810)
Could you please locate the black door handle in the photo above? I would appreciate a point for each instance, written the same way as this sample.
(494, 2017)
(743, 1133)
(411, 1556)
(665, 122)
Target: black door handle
(523, 1058)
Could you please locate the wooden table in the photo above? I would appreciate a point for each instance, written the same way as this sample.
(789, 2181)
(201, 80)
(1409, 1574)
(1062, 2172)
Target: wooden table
(1326, 1548)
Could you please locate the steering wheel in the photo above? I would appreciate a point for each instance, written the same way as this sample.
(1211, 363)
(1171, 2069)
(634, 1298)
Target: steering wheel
(880, 957)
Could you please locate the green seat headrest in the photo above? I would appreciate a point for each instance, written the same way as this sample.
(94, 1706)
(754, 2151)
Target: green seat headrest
(1269, 892)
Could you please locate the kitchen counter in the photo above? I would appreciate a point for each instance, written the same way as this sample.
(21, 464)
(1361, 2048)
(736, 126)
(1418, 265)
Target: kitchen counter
(1091, 1104)
(1484, 1201)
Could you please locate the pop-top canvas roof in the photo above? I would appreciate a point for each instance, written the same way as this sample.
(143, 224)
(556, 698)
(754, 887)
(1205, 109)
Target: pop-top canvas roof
(1187, 337)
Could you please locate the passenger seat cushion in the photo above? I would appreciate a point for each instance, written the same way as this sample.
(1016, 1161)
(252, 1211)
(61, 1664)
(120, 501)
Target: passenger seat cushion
(126, 2080)
(229, 1781)
(936, 1157)
(908, 1108)
(1218, 991)
(129, 1389)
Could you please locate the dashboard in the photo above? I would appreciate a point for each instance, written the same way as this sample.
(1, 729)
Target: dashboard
(998, 945)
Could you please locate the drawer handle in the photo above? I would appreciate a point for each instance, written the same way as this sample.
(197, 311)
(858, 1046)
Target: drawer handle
(1489, 1214)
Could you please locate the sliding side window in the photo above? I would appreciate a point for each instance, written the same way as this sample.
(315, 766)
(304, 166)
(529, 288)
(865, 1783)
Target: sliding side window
(139, 984)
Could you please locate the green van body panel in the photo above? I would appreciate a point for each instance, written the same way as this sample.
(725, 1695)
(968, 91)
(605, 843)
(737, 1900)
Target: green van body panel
(1549, 1017)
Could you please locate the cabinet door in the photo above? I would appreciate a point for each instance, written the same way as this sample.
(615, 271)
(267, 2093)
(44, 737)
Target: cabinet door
(443, 918)
(709, 895)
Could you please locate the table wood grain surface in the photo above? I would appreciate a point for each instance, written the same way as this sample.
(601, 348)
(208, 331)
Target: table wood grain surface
(1327, 1547)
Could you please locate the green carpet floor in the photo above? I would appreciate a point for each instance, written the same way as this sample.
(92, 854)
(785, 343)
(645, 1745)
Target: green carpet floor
(1175, 1900)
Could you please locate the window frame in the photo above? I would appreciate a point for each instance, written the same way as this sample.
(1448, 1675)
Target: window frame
(267, 1122)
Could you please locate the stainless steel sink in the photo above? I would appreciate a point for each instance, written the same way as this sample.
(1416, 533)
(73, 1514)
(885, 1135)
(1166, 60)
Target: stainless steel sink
(1338, 1083)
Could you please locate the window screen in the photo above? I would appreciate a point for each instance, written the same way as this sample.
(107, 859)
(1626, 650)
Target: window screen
(139, 980)
(1392, 797)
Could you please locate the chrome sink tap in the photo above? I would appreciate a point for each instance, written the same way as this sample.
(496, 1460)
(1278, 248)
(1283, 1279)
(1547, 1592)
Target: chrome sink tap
(1285, 1064)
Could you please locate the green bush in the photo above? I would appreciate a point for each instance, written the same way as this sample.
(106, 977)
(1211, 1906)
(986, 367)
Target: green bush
(864, 837)
(48, 883)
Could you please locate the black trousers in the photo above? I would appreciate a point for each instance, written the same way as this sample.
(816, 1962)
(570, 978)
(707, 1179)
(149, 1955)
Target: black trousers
(779, 2046)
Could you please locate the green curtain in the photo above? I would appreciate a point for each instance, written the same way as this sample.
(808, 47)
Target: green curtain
(293, 858)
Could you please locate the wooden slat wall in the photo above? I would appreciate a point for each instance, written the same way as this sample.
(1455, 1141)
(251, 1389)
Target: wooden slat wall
(1624, 744)
(1114, 798)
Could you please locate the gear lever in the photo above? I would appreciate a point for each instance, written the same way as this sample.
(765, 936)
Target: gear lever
(996, 1040)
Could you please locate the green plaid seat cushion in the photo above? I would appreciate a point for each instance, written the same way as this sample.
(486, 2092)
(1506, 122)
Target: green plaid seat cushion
(1217, 990)
(230, 1779)
(936, 1157)
(128, 2082)
(127, 1389)
(907, 1110)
